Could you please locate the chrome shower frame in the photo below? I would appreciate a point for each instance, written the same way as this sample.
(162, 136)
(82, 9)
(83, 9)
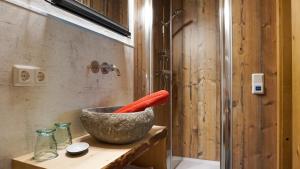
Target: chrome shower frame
(225, 16)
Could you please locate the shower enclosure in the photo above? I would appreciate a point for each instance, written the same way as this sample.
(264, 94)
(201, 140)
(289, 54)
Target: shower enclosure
(191, 58)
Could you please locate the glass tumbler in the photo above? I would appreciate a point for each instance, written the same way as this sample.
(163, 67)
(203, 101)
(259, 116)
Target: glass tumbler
(45, 147)
(63, 135)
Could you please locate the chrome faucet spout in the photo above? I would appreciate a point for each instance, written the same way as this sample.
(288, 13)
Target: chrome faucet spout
(116, 69)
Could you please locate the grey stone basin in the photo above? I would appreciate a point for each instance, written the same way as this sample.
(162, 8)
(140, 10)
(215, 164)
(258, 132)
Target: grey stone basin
(116, 128)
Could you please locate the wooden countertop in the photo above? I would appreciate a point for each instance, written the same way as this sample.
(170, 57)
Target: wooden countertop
(100, 155)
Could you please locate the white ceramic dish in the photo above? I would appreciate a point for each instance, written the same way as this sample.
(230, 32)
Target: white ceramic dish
(77, 148)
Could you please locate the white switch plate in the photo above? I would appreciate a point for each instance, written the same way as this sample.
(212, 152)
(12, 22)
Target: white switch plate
(258, 86)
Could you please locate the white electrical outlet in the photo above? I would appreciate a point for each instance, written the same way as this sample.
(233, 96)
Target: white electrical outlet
(29, 76)
(23, 75)
(41, 77)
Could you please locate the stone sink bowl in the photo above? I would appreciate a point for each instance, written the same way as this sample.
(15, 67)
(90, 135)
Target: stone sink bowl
(123, 128)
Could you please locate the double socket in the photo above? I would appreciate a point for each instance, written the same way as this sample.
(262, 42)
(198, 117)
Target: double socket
(24, 75)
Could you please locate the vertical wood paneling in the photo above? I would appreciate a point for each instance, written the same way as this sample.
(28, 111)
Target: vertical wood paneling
(269, 100)
(161, 43)
(196, 62)
(162, 112)
(254, 50)
(197, 81)
(284, 84)
(296, 83)
(254, 33)
(140, 62)
(161, 14)
(177, 115)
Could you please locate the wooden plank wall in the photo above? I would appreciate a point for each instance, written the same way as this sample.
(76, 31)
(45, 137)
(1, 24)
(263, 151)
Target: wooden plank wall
(161, 13)
(284, 65)
(140, 59)
(197, 81)
(177, 115)
(296, 83)
(196, 65)
(254, 46)
(162, 113)
(161, 42)
(255, 117)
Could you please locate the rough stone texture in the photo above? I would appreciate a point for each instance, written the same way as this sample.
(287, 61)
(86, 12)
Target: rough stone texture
(117, 128)
(64, 50)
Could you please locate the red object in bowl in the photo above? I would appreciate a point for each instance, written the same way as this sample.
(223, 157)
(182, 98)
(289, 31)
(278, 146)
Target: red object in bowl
(153, 99)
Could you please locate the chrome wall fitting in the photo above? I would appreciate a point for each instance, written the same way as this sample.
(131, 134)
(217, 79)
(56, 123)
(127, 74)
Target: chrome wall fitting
(106, 68)
(95, 66)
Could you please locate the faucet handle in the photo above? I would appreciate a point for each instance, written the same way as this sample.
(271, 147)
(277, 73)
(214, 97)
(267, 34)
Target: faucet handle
(95, 66)
(106, 68)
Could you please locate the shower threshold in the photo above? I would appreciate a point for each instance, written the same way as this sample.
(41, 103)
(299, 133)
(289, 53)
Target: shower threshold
(191, 163)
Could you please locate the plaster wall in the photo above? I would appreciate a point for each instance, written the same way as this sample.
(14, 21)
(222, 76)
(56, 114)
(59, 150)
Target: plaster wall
(64, 51)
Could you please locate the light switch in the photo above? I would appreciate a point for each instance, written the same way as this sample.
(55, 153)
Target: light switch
(258, 83)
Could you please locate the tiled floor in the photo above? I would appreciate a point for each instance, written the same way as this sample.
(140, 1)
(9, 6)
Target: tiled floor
(189, 163)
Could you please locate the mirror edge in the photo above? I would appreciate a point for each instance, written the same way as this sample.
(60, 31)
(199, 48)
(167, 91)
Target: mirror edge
(48, 10)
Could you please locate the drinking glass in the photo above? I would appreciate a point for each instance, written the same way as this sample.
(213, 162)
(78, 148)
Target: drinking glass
(63, 135)
(45, 147)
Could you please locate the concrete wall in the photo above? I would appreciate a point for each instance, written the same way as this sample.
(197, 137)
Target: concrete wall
(64, 50)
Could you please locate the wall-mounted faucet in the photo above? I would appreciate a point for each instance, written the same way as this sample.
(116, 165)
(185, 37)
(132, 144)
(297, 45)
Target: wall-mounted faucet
(104, 67)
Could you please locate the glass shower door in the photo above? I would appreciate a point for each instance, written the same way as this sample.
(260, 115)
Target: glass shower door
(189, 60)
(201, 89)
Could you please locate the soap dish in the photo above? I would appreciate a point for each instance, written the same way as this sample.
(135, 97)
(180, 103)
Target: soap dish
(77, 148)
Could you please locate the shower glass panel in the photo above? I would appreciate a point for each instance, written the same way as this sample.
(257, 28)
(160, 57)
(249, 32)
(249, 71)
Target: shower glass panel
(197, 75)
(191, 59)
